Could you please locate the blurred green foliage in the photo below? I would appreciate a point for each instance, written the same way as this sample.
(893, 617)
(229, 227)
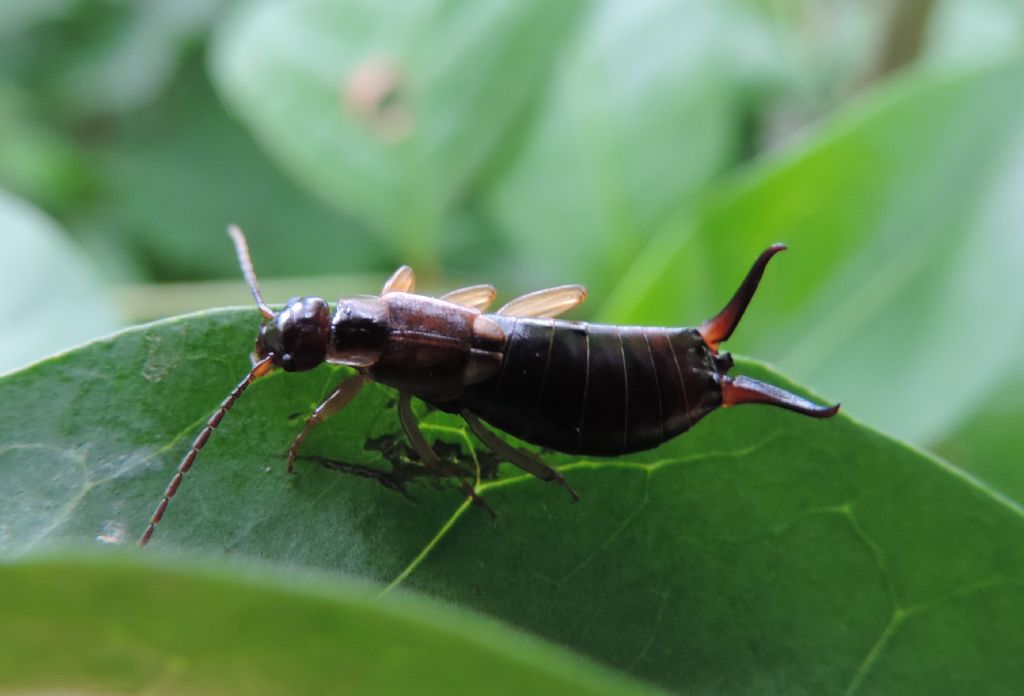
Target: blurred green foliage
(646, 149)
(167, 629)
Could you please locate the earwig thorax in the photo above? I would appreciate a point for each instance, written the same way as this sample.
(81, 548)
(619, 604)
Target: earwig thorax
(359, 331)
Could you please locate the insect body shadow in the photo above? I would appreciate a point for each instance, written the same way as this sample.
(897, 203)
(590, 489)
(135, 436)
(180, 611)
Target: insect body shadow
(406, 465)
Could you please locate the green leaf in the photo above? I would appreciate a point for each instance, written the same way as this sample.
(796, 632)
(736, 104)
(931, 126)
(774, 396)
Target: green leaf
(187, 159)
(53, 299)
(19, 15)
(619, 142)
(903, 217)
(761, 552)
(988, 442)
(962, 33)
(122, 626)
(39, 162)
(387, 111)
(123, 57)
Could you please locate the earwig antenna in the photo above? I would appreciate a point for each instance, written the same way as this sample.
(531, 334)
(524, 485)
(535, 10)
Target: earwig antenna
(259, 369)
(245, 261)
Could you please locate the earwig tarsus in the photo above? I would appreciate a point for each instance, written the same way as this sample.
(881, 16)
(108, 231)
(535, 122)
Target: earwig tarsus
(574, 387)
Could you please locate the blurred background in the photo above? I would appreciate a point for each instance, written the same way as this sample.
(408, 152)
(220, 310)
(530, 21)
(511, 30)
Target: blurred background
(647, 149)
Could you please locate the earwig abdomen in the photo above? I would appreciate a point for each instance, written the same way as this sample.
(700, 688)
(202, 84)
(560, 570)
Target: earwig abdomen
(595, 389)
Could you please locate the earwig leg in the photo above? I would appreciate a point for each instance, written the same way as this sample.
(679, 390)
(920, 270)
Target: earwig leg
(402, 280)
(718, 329)
(476, 296)
(548, 303)
(527, 461)
(427, 454)
(336, 400)
(412, 430)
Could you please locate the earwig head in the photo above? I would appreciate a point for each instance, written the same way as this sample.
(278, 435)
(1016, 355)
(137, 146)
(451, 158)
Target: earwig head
(296, 338)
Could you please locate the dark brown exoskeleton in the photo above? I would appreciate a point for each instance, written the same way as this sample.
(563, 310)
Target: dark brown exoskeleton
(575, 387)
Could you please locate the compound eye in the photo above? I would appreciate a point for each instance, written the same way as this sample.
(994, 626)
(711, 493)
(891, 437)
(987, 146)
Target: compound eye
(269, 341)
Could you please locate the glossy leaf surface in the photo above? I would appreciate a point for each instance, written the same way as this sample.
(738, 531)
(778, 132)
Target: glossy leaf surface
(761, 552)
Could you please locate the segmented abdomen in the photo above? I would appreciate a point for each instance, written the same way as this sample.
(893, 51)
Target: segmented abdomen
(593, 388)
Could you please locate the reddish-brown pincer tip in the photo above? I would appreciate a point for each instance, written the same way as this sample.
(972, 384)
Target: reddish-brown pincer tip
(720, 327)
(830, 411)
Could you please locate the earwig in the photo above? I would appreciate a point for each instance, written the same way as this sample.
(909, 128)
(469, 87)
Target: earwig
(569, 386)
